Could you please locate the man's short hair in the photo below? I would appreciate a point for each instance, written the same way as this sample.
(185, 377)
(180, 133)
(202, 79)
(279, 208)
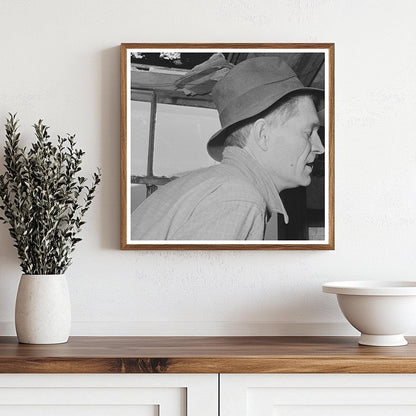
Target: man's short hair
(281, 111)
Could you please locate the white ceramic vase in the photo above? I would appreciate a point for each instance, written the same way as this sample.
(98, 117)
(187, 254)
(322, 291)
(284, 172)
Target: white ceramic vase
(43, 309)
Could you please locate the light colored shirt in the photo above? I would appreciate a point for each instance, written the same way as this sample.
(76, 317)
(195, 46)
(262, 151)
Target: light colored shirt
(229, 201)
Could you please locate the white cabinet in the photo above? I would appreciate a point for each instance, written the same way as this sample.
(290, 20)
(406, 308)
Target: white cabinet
(317, 394)
(108, 394)
(197, 394)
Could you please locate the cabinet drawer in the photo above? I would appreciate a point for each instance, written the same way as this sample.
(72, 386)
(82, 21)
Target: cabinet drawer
(318, 394)
(108, 394)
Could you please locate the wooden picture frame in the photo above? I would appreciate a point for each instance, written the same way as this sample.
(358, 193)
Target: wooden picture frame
(149, 84)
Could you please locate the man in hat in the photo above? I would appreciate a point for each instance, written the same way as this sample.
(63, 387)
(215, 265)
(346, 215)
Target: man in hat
(268, 142)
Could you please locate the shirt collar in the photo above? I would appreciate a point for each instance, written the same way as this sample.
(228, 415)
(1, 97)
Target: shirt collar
(259, 176)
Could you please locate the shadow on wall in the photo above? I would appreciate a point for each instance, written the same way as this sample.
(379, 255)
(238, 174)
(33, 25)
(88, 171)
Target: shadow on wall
(109, 97)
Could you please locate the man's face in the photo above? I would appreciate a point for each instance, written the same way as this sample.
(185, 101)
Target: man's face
(293, 145)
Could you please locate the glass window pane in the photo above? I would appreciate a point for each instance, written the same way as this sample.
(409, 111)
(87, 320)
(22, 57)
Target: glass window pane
(140, 122)
(181, 137)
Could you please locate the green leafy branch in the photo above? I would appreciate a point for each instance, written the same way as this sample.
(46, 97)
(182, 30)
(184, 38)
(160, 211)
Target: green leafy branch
(44, 198)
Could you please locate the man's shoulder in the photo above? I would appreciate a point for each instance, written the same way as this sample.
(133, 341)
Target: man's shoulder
(239, 190)
(227, 183)
(214, 184)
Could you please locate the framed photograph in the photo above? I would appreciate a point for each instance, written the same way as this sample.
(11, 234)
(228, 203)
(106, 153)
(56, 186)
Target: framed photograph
(227, 146)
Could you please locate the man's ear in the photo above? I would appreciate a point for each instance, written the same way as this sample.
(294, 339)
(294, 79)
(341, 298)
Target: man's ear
(260, 133)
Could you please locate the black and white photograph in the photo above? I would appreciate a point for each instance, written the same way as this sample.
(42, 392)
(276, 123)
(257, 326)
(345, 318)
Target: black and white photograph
(227, 146)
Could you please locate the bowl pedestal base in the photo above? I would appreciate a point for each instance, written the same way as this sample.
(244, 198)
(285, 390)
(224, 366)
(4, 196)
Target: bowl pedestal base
(382, 340)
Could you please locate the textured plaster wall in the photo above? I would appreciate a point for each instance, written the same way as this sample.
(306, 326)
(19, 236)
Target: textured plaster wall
(60, 62)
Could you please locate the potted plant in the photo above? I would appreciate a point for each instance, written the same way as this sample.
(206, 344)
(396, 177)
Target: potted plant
(44, 199)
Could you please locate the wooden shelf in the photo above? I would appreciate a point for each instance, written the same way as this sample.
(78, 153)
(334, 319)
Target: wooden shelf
(206, 355)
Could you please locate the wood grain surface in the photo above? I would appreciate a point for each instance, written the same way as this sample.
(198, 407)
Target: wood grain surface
(206, 355)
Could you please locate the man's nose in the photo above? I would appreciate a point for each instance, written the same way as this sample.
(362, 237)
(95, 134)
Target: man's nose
(316, 143)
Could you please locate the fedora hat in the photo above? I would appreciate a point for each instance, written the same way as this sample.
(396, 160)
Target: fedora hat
(247, 90)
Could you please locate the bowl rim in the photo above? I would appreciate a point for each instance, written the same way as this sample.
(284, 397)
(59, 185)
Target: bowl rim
(371, 288)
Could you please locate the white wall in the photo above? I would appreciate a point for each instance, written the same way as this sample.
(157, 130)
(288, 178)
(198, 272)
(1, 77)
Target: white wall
(60, 61)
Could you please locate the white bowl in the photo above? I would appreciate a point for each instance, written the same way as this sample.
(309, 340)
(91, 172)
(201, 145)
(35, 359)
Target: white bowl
(381, 311)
